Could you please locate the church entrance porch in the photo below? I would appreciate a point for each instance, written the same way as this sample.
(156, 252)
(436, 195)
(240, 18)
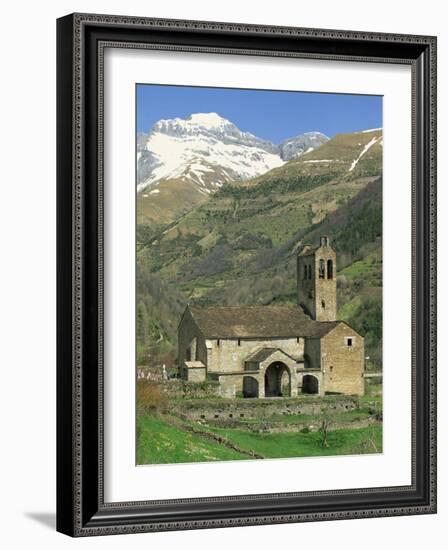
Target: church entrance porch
(277, 380)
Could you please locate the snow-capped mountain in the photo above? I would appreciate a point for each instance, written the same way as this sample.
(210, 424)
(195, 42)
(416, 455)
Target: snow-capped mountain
(299, 145)
(207, 150)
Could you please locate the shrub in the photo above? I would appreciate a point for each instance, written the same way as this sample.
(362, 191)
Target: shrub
(150, 398)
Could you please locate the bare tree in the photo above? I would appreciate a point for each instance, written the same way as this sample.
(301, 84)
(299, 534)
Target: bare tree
(325, 424)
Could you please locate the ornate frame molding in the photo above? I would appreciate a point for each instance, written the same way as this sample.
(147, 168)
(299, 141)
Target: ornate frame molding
(81, 42)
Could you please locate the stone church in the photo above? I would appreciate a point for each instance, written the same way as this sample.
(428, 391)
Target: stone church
(275, 351)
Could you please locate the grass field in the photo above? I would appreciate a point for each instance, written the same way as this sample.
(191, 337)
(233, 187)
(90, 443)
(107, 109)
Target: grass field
(161, 442)
(288, 445)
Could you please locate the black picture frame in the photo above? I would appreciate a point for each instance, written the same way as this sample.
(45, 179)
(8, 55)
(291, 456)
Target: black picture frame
(81, 510)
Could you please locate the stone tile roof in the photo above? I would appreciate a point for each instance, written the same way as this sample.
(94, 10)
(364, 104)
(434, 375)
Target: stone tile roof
(258, 321)
(262, 354)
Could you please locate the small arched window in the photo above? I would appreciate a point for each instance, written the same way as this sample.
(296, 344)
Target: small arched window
(305, 272)
(323, 304)
(321, 269)
(330, 269)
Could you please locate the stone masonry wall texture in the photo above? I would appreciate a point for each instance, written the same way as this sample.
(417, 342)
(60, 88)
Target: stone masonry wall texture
(343, 365)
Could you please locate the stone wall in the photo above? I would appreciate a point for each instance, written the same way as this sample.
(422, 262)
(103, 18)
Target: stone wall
(343, 365)
(232, 385)
(267, 426)
(229, 355)
(227, 409)
(191, 390)
(194, 373)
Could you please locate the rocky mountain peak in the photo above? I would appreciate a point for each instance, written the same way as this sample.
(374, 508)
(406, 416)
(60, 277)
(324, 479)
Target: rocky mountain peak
(209, 150)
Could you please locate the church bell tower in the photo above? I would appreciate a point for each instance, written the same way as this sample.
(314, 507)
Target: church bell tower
(316, 281)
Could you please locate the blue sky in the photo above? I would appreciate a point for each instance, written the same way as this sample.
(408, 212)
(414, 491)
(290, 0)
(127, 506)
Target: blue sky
(270, 115)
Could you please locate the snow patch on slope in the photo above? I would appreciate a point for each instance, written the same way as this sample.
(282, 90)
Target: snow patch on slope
(320, 160)
(308, 150)
(363, 152)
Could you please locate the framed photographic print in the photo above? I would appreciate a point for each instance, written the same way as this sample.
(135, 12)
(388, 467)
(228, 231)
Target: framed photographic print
(246, 274)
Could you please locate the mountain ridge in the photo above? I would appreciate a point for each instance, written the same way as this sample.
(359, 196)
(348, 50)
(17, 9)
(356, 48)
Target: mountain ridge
(205, 145)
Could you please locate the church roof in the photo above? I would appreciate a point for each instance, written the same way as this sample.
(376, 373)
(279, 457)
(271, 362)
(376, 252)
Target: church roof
(258, 321)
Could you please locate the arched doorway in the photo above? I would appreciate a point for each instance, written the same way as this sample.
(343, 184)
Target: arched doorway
(310, 384)
(250, 386)
(277, 380)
